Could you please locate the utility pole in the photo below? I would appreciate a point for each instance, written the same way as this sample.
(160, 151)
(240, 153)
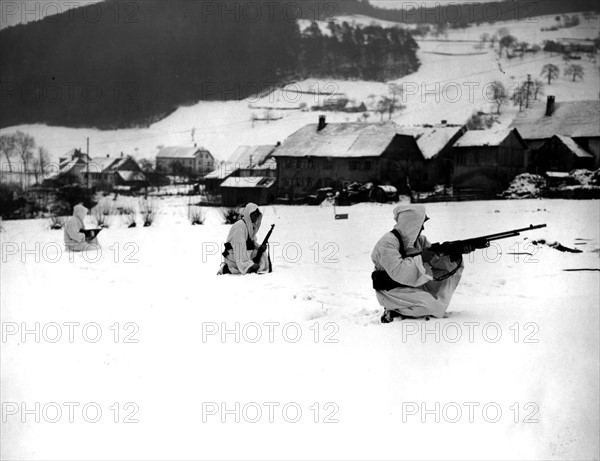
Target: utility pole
(88, 162)
(527, 92)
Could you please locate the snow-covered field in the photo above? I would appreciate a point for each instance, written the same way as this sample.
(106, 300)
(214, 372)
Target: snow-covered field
(515, 365)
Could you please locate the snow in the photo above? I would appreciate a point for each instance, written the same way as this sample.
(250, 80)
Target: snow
(170, 291)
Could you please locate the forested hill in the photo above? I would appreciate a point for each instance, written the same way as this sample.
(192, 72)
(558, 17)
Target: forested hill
(129, 63)
(464, 13)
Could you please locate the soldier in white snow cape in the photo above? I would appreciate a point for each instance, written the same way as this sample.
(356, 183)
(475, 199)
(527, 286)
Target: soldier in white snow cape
(241, 247)
(409, 281)
(75, 238)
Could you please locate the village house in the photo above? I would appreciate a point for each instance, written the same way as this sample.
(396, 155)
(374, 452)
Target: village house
(244, 161)
(110, 173)
(561, 154)
(576, 45)
(487, 160)
(179, 160)
(436, 145)
(577, 120)
(337, 154)
(71, 167)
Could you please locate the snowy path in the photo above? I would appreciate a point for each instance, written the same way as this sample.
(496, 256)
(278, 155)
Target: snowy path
(543, 369)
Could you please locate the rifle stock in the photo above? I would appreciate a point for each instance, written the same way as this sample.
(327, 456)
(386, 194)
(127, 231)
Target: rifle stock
(263, 246)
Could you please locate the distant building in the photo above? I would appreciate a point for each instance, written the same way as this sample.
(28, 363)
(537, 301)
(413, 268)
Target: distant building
(488, 159)
(178, 160)
(253, 161)
(579, 120)
(72, 167)
(576, 45)
(110, 172)
(436, 145)
(561, 154)
(237, 191)
(334, 154)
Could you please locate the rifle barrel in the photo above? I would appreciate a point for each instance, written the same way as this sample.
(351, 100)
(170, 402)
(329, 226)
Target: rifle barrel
(511, 233)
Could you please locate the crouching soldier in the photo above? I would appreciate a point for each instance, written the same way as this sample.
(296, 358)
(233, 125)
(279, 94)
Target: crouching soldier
(241, 247)
(75, 239)
(410, 281)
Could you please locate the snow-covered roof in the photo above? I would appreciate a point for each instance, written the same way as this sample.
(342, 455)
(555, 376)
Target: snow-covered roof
(339, 140)
(131, 175)
(476, 138)
(179, 152)
(252, 181)
(431, 140)
(98, 164)
(244, 155)
(570, 118)
(222, 171)
(574, 147)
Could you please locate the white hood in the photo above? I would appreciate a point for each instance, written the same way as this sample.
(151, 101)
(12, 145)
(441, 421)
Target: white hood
(409, 221)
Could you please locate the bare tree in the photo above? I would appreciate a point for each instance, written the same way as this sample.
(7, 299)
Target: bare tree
(7, 148)
(551, 72)
(537, 88)
(396, 91)
(40, 163)
(499, 94)
(24, 145)
(576, 70)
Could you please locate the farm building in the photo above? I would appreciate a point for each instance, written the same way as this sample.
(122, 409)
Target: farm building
(579, 120)
(561, 154)
(486, 160)
(331, 155)
(178, 160)
(110, 172)
(436, 145)
(576, 45)
(244, 161)
(237, 191)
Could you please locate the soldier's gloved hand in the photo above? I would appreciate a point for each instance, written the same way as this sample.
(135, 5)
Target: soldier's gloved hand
(253, 268)
(468, 248)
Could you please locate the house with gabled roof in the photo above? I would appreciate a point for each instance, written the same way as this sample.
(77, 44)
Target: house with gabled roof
(178, 159)
(578, 120)
(488, 159)
(561, 154)
(335, 154)
(436, 145)
(110, 172)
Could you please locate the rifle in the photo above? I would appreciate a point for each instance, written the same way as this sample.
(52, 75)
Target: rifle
(263, 247)
(90, 234)
(456, 247)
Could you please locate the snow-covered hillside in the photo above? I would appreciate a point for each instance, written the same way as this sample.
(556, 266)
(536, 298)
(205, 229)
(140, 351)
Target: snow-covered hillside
(446, 87)
(520, 348)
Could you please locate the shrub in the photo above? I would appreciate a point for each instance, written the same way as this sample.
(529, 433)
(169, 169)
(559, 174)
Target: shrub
(57, 222)
(231, 215)
(129, 215)
(196, 215)
(102, 212)
(148, 210)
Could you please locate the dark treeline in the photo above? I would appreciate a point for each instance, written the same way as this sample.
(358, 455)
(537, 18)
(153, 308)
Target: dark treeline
(461, 14)
(120, 64)
(370, 53)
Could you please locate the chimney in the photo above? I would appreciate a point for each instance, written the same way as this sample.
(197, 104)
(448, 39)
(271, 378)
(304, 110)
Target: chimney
(195, 145)
(107, 155)
(121, 154)
(322, 123)
(549, 106)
